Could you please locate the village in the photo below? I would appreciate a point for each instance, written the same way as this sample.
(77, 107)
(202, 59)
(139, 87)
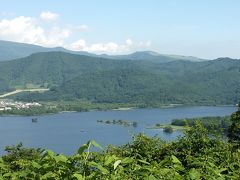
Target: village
(7, 105)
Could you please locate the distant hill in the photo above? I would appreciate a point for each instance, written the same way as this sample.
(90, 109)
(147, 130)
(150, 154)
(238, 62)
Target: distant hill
(97, 79)
(51, 68)
(13, 50)
(153, 56)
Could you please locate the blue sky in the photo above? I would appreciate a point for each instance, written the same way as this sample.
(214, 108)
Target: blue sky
(206, 28)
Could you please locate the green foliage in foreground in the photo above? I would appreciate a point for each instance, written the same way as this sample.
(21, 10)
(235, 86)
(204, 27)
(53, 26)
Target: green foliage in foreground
(193, 156)
(234, 129)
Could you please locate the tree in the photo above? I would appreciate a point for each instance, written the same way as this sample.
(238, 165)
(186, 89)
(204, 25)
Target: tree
(234, 129)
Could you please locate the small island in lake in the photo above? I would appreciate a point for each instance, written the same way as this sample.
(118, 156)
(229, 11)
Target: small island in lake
(124, 123)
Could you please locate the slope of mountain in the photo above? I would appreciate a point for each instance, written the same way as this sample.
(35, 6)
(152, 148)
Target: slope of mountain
(105, 80)
(152, 56)
(13, 50)
(204, 83)
(51, 68)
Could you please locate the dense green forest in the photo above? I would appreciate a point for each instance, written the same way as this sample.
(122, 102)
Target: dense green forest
(103, 80)
(198, 154)
(210, 123)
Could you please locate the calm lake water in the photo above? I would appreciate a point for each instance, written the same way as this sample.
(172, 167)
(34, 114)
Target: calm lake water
(65, 132)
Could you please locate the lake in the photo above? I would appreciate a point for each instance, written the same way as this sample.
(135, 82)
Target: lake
(65, 132)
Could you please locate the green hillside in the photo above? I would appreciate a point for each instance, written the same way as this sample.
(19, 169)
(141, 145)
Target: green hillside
(12, 50)
(127, 81)
(52, 68)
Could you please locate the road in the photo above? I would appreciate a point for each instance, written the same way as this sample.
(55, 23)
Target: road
(23, 90)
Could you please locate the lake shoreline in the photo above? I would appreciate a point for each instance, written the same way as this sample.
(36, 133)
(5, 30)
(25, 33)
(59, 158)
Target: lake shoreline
(113, 109)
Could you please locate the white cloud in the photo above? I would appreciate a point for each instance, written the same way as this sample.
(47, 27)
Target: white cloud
(49, 16)
(110, 47)
(20, 29)
(129, 42)
(28, 30)
(51, 34)
(79, 45)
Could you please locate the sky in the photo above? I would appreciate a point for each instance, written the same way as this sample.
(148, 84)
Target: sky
(204, 28)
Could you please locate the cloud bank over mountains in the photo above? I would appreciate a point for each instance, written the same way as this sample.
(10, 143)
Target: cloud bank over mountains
(48, 30)
(110, 47)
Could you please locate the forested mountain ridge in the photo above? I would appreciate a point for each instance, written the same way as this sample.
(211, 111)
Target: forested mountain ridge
(71, 76)
(52, 68)
(12, 50)
(152, 56)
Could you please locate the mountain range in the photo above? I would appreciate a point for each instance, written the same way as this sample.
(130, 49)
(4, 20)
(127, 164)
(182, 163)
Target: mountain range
(13, 50)
(135, 78)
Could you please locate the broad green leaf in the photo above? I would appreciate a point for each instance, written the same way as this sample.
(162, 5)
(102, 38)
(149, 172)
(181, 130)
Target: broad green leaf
(61, 158)
(116, 164)
(175, 160)
(48, 153)
(36, 165)
(82, 148)
(7, 174)
(222, 169)
(127, 160)
(48, 175)
(98, 166)
(78, 176)
(109, 159)
(102, 169)
(94, 143)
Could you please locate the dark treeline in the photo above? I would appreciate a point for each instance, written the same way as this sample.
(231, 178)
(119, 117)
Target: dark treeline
(210, 123)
